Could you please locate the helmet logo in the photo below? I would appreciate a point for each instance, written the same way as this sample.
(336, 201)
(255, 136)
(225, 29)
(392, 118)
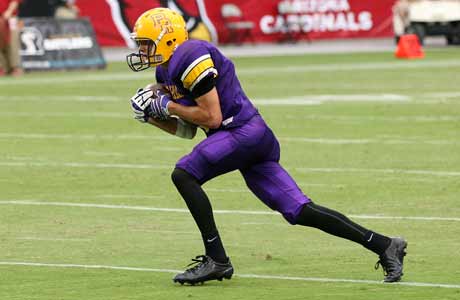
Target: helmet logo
(162, 21)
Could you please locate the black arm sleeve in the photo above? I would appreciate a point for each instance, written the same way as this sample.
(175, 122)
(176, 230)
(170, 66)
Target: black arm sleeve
(204, 86)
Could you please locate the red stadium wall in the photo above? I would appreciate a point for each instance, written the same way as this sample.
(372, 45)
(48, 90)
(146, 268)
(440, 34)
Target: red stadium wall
(273, 20)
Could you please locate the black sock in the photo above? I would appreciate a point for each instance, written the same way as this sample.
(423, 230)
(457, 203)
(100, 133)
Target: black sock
(337, 224)
(375, 242)
(201, 210)
(214, 247)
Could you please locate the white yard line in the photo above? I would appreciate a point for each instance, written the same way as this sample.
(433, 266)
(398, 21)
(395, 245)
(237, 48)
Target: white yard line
(225, 190)
(384, 171)
(80, 77)
(294, 139)
(361, 119)
(103, 154)
(127, 207)
(308, 99)
(110, 196)
(21, 158)
(168, 149)
(163, 231)
(342, 141)
(245, 190)
(64, 98)
(443, 95)
(36, 202)
(52, 239)
(328, 185)
(243, 71)
(270, 102)
(46, 136)
(345, 67)
(288, 101)
(412, 179)
(111, 115)
(32, 264)
(251, 276)
(318, 99)
(409, 118)
(265, 223)
(86, 165)
(377, 217)
(285, 102)
(170, 166)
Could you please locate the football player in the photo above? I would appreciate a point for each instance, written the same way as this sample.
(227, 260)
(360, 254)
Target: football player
(237, 139)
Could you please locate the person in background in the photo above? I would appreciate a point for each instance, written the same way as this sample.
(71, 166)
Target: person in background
(36, 8)
(9, 38)
(66, 9)
(63, 9)
(401, 17)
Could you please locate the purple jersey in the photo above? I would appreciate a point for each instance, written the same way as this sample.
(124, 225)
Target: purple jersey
(243, 141)
(194, 61)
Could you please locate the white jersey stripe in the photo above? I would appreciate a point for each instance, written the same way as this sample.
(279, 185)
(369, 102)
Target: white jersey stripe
(193, 64)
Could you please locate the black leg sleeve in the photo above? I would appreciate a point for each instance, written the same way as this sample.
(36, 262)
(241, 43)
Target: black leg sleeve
(196, 199)
(337, 224)
(198, 203)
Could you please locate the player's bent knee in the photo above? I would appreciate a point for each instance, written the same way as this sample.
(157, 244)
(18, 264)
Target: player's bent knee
(181, 177)
(307, 215)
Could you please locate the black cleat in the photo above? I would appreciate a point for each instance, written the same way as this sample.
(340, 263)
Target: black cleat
(392, 260)
(205, 269)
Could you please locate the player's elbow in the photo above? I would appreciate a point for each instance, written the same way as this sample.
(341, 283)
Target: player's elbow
(214, 125)
(214, 122)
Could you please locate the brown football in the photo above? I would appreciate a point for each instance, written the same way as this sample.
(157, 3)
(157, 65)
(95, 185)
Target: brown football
(156, 86)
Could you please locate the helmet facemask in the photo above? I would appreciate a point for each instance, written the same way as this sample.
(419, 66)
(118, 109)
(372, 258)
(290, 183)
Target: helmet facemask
(157, 33)
(145, 59)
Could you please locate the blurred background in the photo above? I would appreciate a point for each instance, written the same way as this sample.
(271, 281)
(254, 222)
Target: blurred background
(56, 34)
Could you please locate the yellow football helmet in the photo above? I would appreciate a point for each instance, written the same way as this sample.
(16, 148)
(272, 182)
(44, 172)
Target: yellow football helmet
(157, 32)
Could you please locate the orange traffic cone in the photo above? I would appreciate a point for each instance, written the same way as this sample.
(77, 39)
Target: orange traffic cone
(409, 47)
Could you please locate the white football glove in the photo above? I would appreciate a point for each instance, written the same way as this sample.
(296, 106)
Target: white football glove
(159, 105)
(139, 104)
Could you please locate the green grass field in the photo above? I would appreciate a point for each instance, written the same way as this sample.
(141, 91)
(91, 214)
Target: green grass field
(375, 138)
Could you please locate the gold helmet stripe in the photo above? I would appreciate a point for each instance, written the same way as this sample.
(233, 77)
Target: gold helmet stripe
(160, 36)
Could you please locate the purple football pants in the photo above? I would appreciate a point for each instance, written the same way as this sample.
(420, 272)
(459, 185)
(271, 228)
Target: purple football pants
(253, 150)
